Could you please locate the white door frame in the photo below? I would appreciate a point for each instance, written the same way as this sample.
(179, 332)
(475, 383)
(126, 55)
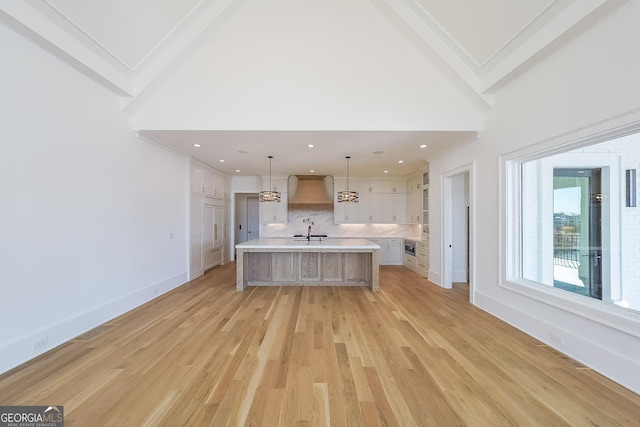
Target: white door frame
(447, 227)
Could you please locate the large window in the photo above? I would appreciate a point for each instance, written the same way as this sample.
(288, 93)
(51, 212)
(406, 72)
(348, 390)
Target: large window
(574, 228)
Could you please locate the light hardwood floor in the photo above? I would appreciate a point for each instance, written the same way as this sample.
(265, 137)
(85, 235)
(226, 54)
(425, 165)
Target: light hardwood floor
(412, 354)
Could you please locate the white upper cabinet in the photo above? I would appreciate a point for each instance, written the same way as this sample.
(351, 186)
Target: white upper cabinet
(370, 209)
(394, 186)
(414, 183)
(206, 182)
(395, 208)
(370, 186)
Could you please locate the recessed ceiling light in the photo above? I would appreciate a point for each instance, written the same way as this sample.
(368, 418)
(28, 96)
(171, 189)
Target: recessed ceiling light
(310, 145)
(386, 171)
(196, 145)
(423, 146)
(221, 161)
(400, 161)
(243, 152)
(312, 171)
(378, 152)
(237, 170)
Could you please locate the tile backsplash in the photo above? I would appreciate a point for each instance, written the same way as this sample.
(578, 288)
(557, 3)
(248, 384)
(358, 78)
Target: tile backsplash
(323, 224)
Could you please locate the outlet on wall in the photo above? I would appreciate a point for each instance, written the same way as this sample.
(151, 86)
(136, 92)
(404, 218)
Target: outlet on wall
(39, 343)
(557, 339)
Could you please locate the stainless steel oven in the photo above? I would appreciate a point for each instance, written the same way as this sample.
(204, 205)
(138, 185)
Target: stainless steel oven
(410, 247)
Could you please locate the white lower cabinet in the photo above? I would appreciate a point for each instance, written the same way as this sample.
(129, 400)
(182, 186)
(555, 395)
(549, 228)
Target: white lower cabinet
(422, 257)
(420, 261)
(390, 251)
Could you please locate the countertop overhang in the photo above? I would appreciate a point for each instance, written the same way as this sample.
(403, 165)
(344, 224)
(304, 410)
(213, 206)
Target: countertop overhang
(329, 244)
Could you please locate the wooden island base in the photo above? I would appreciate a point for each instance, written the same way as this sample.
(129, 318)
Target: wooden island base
(282, 262)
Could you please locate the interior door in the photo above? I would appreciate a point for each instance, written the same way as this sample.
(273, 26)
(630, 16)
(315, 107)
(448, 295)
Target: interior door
(253, 218)
(577, 228)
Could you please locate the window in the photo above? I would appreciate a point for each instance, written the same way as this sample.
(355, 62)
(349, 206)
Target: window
(570, 229)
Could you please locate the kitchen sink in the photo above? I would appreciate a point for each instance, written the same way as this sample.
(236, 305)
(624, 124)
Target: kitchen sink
(315, 237)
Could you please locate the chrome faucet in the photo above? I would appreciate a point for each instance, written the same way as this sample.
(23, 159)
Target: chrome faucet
(308, 220)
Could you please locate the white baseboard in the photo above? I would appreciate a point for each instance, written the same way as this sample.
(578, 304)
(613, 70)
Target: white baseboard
(21, 350)
(459, 275)
(621, 368)
(434, 277)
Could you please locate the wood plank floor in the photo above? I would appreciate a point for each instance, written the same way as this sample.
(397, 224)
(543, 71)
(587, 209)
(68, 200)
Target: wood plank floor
(412, 354)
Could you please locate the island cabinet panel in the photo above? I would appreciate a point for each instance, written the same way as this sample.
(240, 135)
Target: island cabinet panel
(259, 267)
(332, 267)
(283, 267)
(357, 268)
(310, 266)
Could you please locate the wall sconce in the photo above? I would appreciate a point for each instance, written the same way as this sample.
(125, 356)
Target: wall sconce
(631, 188)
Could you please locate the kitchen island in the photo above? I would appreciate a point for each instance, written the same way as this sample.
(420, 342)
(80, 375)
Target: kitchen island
(288, 262)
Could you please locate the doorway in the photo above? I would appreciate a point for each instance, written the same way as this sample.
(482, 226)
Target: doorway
(247, 217)
(458, 249)
(577, 230)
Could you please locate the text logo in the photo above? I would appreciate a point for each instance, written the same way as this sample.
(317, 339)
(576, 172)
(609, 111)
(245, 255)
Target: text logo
(31, 416)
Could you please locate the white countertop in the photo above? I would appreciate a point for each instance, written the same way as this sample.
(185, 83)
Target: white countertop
(347, 244)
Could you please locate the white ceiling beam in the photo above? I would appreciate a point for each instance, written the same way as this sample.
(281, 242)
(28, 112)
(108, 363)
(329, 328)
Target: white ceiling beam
(408, 19)
(564, 27)
(197, 32)
(32, 24)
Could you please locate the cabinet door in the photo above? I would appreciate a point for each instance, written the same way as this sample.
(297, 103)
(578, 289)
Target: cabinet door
(394, 208)
(394, 186)
(196, 180)
(208, 183)
(394, 251)
(425, 211)
(344, 212)
(275, 211)
(370, 186)
(195, 239)
(383, 252)
(218, 187)
(207, 227)
(370, 208)
(218, 226)
(414, 207)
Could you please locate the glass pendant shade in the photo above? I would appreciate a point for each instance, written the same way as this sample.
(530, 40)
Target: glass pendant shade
(270, 195)
(347, 196)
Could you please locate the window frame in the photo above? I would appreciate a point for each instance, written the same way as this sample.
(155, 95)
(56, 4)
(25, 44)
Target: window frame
(510, 226)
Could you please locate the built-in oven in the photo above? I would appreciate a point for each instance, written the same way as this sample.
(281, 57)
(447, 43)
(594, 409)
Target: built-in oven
(409, 247)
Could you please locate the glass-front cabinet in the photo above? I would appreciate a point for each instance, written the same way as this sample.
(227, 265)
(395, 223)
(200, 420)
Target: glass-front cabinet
(425, 205)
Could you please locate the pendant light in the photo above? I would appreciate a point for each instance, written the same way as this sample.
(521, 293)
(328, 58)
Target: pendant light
(347, 196)
(270, 195)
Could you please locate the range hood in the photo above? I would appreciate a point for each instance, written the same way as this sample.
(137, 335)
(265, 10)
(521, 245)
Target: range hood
(310, 193)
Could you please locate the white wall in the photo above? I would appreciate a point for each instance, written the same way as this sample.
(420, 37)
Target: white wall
(87, 209)
(588, 85)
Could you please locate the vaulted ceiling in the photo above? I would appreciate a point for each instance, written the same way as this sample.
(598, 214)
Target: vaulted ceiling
(271, 76)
